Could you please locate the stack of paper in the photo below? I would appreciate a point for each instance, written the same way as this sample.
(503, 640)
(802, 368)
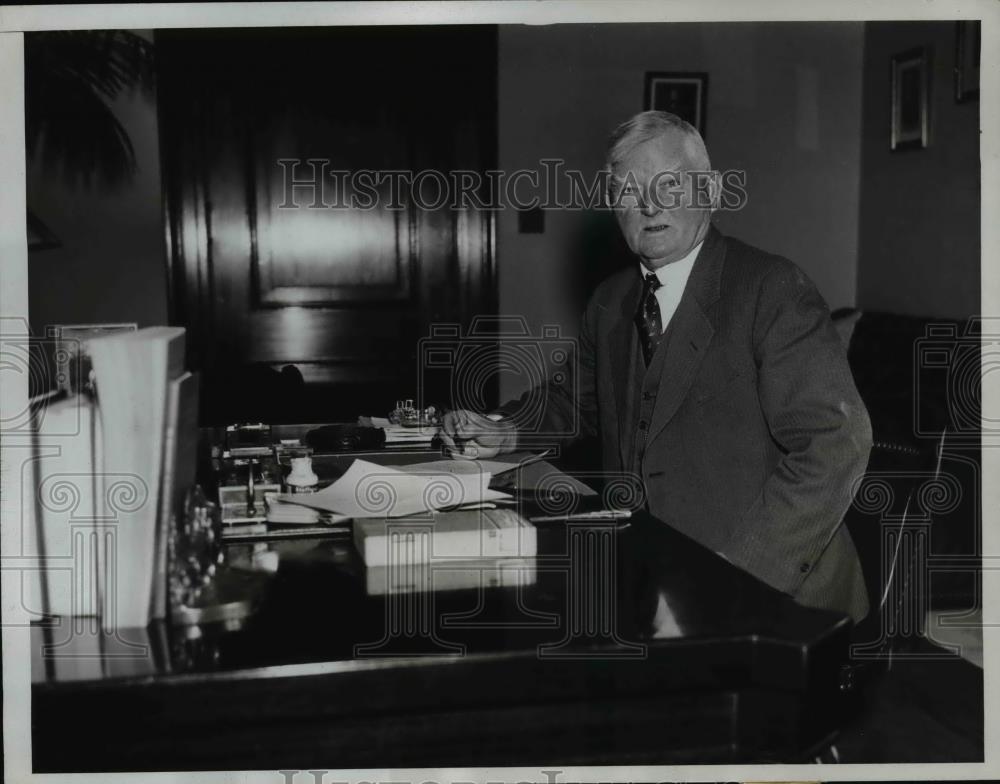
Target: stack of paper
(282, 513)
(370, 490)
(398, 434)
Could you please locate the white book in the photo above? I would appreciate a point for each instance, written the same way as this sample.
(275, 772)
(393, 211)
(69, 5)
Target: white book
(133, 371)
(62, 507)
(463, 575)
(483, 533)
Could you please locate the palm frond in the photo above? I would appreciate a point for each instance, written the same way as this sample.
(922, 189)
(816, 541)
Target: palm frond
(71, 77)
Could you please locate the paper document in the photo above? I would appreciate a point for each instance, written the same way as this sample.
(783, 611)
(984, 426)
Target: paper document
(370, 490)
(543, 477)
(466, 467)
(459, 467)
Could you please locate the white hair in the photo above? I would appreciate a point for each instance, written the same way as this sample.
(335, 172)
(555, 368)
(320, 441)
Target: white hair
(652, 124)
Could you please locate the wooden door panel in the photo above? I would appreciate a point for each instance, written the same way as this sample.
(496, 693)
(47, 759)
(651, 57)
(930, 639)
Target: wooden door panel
(312, 247)
(326, 335)
(345, 381)
(341, 294)
(338, 256)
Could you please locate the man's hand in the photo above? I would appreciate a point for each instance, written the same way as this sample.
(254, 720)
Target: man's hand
(474, 436)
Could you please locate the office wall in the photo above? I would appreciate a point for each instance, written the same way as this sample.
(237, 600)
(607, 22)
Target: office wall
(111, 265)
(919, 235)
(784, 103)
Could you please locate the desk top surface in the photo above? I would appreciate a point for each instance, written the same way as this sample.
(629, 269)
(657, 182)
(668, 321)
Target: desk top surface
(597, 590)
(618, 642)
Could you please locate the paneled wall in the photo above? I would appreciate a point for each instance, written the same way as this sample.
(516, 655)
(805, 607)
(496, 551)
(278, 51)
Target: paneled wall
(309, 303)
(784, 104)
(918, 246)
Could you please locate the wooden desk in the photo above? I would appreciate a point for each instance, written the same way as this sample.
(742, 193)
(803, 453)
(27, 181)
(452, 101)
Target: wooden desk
(632, 645)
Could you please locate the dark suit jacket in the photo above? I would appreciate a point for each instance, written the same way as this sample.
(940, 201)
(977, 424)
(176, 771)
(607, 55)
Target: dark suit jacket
(757, 435)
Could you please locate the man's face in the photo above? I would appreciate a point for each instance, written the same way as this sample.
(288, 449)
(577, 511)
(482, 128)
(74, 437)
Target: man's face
(663, 220)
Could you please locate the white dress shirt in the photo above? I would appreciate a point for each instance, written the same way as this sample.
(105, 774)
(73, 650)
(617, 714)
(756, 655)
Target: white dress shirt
(673, 278)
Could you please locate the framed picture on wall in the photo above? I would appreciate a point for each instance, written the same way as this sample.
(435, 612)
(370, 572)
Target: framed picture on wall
(910, 121)
(683, 94)
(967, 45)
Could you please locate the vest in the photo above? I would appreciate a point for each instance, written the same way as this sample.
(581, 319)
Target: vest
(644, 386)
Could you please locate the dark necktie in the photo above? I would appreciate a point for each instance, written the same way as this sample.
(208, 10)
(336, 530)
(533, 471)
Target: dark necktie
(648, 318)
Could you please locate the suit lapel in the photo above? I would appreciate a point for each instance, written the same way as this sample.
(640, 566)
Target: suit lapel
(621, 337)
(691, 331)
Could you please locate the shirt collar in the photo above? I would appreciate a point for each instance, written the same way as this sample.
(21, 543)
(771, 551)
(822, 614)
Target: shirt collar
(675, 271)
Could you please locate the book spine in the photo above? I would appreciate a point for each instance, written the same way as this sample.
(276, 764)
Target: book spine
(384, 549)
(180, 447)
(158, 600)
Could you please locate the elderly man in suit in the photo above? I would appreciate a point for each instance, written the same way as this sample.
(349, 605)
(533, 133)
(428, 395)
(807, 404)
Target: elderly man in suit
(712, 371)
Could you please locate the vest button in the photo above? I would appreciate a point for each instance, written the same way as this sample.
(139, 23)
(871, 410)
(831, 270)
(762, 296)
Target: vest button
(648, 395)
(643, 424)
(804, 568)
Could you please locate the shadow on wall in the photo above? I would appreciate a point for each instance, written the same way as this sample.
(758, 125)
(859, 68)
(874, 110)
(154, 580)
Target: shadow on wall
(601, 250)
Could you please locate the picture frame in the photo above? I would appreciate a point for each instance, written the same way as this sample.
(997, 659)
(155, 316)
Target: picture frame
(682, 93)
(910, 109)
(72, 354)
(968, 43)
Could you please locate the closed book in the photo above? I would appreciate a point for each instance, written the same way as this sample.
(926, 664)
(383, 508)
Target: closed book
(133, 372)
(180, 453)
(448, 575)
(483, 533)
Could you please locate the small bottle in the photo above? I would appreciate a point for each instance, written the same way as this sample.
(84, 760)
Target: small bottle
(302, 478)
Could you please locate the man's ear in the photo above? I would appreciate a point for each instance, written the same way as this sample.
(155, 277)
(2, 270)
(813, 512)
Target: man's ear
(715, 190)
(607, 180)
(706, 190)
